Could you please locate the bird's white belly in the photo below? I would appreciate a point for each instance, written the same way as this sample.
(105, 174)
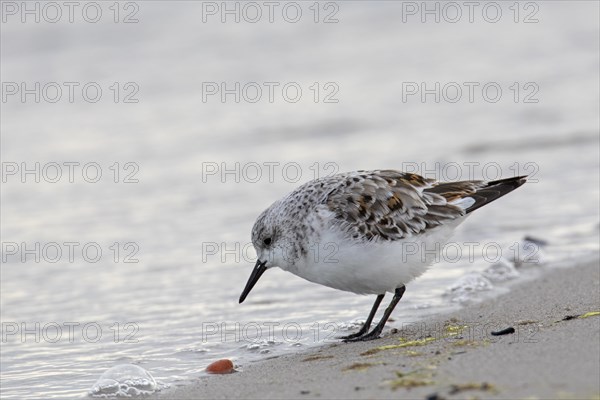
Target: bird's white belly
(372, 267)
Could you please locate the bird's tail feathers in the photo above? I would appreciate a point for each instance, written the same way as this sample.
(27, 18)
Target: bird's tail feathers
(493, 190)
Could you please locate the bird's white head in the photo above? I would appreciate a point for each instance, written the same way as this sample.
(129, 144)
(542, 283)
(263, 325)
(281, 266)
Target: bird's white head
(273, 241)
(270, 240)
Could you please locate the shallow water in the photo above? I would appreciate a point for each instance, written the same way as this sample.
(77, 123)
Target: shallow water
(175, 310)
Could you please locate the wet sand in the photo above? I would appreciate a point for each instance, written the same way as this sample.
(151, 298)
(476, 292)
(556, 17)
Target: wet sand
(553, 353)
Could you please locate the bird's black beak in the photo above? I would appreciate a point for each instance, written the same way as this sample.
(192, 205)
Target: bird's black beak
(258, 270)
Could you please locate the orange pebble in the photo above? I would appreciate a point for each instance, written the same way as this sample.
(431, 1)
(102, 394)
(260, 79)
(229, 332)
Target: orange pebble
(220, 367)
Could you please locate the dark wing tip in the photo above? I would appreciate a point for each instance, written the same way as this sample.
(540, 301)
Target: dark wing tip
(494, 190)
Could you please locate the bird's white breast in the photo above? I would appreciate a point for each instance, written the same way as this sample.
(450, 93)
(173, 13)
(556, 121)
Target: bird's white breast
(371, 267)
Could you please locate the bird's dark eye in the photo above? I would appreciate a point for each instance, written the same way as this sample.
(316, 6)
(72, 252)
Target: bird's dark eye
(267, 241)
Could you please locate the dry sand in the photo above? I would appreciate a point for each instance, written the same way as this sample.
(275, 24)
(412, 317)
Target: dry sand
(548, 357)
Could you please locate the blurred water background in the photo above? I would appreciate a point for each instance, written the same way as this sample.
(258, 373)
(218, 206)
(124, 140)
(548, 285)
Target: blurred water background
(184, 216)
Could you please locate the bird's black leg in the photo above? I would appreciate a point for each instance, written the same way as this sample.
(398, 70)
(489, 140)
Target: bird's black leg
(367, 324)
(374, 334)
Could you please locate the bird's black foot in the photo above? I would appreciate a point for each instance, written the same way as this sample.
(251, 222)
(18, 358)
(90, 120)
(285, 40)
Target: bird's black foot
(367, 324)
(374, 334)
(360, 333)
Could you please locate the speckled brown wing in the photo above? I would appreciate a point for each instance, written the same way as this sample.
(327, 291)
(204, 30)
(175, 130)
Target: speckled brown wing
(389, 205)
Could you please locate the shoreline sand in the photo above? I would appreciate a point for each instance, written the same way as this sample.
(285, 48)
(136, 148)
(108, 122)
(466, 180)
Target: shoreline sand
(554, 353)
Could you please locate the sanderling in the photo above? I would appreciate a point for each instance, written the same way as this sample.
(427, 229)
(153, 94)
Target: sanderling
(369, 216)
